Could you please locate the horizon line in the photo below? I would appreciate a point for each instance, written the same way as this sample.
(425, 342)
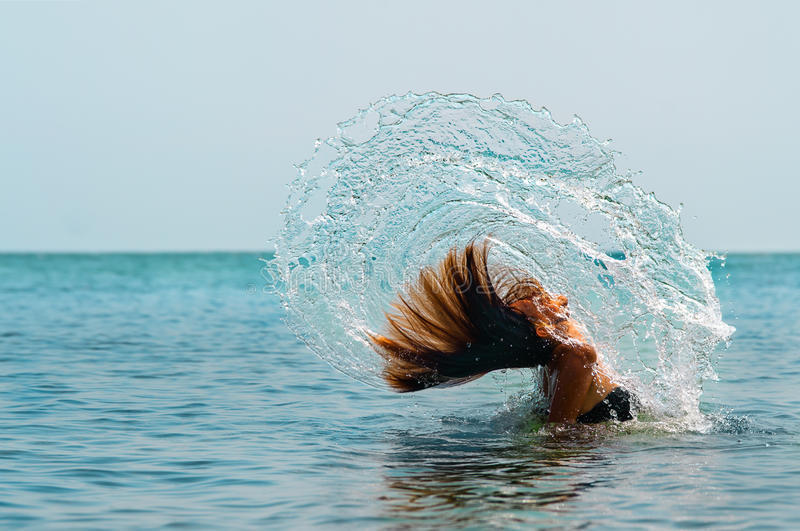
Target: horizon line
(272, 250)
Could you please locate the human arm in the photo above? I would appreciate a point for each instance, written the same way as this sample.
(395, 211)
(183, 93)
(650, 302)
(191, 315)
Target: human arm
(574, 365)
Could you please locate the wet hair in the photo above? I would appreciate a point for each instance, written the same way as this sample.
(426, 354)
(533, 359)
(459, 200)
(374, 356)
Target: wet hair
(456, 324)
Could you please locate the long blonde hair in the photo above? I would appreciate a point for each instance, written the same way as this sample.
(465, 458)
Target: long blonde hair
(456, 324)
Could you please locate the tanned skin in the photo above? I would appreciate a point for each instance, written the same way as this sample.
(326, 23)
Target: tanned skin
(436, 335)
(581, 381)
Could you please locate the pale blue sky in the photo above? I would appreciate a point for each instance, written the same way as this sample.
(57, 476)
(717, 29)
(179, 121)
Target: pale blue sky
(174, 125)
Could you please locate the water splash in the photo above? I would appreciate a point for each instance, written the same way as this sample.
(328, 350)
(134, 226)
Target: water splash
(411, 176)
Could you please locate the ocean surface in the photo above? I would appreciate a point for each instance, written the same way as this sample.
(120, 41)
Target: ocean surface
(164, 390)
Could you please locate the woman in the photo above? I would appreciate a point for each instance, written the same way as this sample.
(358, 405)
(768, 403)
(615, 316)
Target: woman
(458, 323)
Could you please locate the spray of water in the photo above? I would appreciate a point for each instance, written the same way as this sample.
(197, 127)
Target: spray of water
(411, 176)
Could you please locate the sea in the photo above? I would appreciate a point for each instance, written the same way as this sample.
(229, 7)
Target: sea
(165, 391)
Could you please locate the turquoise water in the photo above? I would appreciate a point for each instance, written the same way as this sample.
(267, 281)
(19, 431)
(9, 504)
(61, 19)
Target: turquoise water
(413, 175)
(164, 390)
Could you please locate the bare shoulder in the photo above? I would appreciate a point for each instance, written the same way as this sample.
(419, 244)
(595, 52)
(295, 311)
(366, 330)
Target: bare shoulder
(582, 353)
